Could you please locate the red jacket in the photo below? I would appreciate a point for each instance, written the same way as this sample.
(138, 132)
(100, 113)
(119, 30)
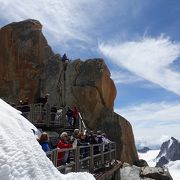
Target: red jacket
(62, 145)
(74, 112)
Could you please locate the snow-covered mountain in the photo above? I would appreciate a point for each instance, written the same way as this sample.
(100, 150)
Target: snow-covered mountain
(170, 151)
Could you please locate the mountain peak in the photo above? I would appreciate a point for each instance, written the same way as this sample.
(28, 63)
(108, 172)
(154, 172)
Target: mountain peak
(170, 151)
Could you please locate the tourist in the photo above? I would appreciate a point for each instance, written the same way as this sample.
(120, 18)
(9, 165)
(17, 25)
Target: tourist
(106, 142)
(69, 114)
(74, 115)
(44, 142)
(53, 113)
(81, 141)
(63, 144)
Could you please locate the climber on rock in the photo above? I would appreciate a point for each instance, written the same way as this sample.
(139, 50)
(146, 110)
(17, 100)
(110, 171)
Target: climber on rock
(65, 61)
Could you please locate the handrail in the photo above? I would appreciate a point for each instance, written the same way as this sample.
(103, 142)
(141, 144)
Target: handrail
(82, 126)
(91, 160)
(40, 114)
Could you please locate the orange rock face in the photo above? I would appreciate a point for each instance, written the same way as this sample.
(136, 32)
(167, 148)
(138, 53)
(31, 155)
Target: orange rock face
(23, 55)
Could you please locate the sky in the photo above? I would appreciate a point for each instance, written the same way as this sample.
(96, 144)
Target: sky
(21, 156)
(139, 41)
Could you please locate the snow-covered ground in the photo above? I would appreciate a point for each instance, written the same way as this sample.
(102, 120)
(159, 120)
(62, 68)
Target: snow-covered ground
(21, 156)
(174, 169)
(149, 156)
(173, 166)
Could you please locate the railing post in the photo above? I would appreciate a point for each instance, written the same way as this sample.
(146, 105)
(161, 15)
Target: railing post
(102, 155)
(110, 156)
(48, 111)
(115, 155)
(31, 113)
(91, 158)
(40, 115)
(80, 123)
(77, 158)
(54, 157)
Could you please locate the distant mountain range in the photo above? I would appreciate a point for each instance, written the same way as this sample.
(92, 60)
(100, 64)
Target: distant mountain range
(143, 150)
(170, 151)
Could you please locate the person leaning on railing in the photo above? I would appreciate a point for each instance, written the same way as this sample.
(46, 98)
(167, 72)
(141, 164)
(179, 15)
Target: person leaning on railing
(81, 141)
(63, 144)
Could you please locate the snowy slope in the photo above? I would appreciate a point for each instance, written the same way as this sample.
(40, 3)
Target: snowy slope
(173, 166)
(21, 156)
(174, 169)
(149, 156)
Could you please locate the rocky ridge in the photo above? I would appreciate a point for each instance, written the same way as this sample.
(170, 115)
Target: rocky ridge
(144, 150)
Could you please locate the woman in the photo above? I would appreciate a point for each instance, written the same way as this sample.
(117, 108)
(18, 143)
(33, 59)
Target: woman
(44, 142)
(63, 144)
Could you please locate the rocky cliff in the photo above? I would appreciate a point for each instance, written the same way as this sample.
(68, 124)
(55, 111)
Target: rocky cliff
(27, 61)
(31, 69)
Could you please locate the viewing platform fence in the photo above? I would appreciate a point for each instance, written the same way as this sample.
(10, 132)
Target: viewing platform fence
(89, 158)
(49, 116)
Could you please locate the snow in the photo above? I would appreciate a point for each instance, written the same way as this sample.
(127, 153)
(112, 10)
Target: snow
(173, 166)
(149, 156)
(170, 143)
(21, 156)
(174, 169)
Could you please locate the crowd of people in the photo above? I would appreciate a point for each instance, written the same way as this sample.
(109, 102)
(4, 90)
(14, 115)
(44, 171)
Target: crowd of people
(78, 138)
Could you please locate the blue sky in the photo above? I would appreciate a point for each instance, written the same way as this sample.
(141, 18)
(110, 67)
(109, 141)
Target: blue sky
(139, 41)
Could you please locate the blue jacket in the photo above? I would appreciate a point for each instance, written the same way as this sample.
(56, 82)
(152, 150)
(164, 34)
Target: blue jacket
(45, 146)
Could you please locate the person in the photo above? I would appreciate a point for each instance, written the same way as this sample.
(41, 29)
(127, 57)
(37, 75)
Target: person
(74, 137)
(44, 142)
(81, 141)
(63, 144)
(58, 116)
(64, 58)
(74, 115)
(69, 116)
(106, 142)
(99, 137)
(65, 61)
(43, 100)
(53, 113)
(92, 139)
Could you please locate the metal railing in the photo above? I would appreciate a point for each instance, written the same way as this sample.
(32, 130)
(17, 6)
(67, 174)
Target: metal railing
(85, 158)
(46, 115)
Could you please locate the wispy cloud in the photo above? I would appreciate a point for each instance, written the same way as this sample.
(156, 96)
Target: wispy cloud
(153, 120)
(62, 20)
(68, 21)
(124, 77)
(150, 113)
(151, 141)
(149, 58)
